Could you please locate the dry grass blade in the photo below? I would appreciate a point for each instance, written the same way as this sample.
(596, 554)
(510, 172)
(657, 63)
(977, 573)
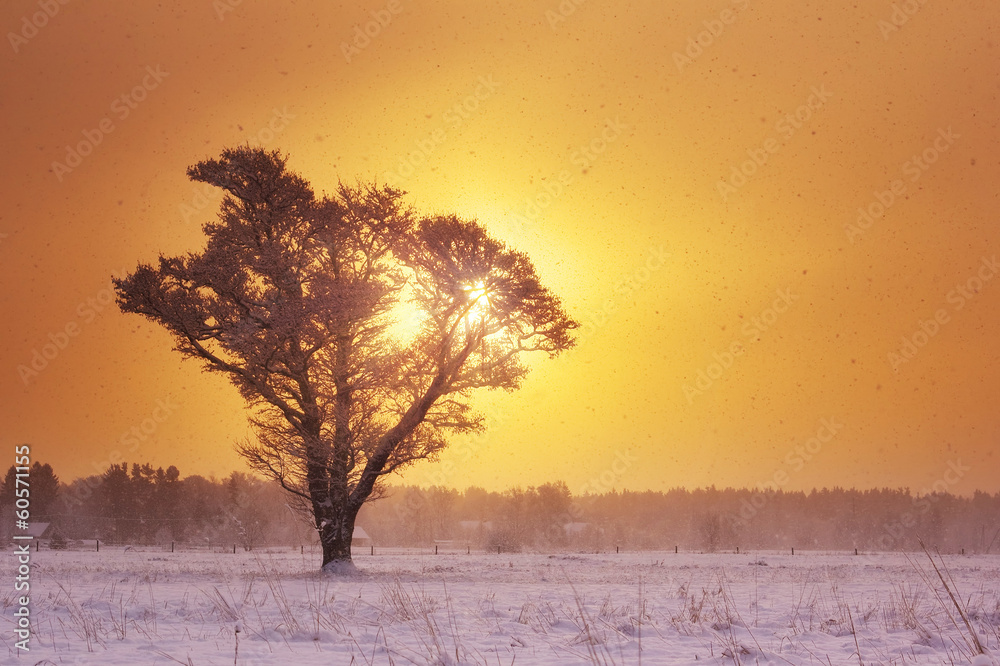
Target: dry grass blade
(854, 633)
(597, 657)
(175, 659)
(976, 644)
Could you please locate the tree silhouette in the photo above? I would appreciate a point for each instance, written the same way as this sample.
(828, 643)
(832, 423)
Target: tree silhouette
(44, 488)
(7, 495)
(117, 503)
(296, 299)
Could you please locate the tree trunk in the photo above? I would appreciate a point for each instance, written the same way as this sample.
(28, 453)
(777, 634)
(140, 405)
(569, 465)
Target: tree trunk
(336, 535)
(337, 526)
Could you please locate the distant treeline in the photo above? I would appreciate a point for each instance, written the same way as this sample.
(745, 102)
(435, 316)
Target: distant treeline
(137, 504)
(710, 519)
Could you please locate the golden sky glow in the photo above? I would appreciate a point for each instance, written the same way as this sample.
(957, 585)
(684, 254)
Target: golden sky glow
(777, 221)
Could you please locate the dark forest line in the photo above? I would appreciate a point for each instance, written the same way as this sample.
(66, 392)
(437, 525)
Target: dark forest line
(137, 504)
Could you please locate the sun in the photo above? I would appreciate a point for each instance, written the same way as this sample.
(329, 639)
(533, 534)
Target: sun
(478, 296)
(407, 317)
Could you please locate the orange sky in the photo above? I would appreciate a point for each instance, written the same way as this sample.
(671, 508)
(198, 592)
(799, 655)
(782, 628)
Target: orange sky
(687, 176)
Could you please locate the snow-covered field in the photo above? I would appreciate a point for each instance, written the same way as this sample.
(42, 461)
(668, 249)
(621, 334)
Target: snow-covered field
(152, 607)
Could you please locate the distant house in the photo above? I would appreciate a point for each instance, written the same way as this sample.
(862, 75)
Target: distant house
(361, 538)
(37, 530)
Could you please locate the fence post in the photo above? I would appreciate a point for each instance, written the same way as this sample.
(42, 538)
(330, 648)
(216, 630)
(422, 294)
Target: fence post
(435, 549)
(373, 551)
(171, 546)
(234, 549)
(98, 545)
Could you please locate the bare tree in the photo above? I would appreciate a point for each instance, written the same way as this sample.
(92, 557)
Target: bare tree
(297, 299)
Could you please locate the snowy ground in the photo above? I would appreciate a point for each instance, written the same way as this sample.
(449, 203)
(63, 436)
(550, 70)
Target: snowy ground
(152, 607)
